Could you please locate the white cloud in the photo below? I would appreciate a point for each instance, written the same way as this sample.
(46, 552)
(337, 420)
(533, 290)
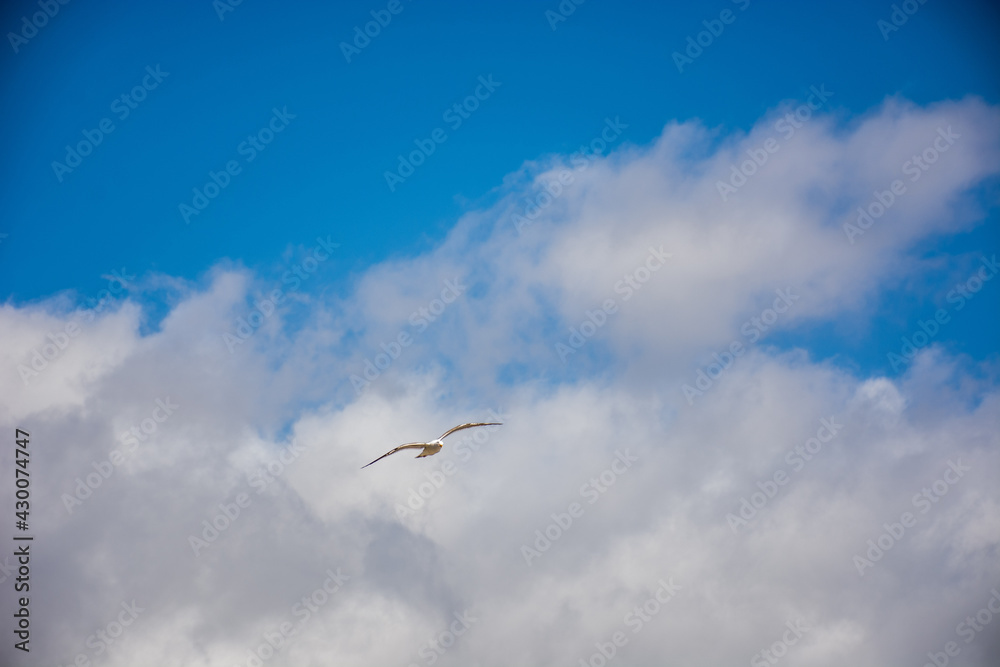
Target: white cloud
(493, 347)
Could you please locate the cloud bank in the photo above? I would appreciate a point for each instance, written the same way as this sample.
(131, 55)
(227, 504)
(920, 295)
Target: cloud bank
(667, 486)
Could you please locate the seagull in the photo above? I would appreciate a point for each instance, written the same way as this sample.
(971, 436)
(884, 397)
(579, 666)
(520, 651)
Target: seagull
(432, 447)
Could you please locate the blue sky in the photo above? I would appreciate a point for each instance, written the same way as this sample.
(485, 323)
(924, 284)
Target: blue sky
(653, 275)
(325, 174)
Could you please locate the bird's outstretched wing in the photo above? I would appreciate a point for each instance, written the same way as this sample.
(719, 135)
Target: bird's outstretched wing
(461, 426)
(411, 445)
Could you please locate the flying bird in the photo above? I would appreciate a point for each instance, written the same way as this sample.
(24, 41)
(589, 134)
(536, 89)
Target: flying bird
(432, 447)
